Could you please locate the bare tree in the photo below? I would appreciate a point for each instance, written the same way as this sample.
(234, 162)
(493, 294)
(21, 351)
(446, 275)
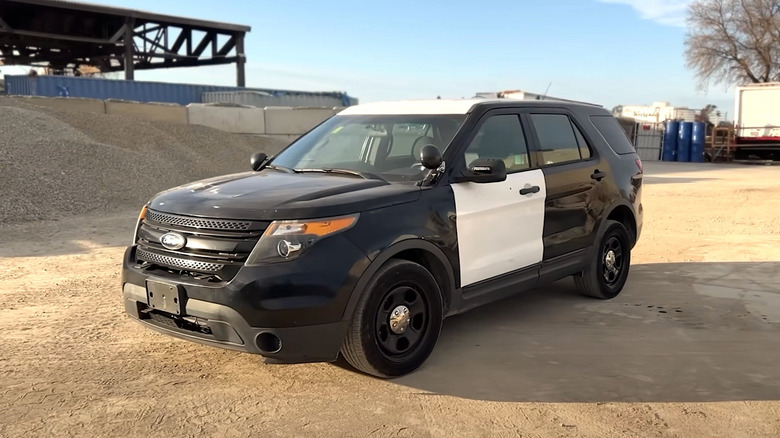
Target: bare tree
(734, 41)
(706, 112)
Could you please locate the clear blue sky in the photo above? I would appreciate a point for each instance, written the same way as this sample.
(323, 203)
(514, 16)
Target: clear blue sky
(605, 51)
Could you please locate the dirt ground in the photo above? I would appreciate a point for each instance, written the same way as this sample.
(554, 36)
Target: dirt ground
(690, 348)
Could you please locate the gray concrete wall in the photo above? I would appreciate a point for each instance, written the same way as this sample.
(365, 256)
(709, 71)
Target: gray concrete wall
(236, 119)
(289, 138)
(287, 123)
(290, 121)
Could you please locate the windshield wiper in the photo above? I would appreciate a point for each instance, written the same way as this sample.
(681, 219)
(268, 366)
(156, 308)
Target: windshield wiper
(281, 168)
(364, 175)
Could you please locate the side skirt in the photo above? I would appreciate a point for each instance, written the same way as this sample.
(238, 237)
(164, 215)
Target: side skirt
(522, 280)
(494, 289)
(565, 265)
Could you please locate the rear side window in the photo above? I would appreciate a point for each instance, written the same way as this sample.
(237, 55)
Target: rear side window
(613, 133)
(559, 140)
(584, 150)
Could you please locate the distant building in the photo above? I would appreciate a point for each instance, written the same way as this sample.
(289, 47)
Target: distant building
(513, 94)
(660, 112)
(518, 95)
(716, 117)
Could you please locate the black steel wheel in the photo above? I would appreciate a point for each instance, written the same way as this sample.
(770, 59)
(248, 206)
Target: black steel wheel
(397, 321)
(612, 260)
(401, 320)
(605, 277)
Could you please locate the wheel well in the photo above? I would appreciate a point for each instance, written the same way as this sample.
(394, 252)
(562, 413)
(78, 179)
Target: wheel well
(435, 267)
(624, 215)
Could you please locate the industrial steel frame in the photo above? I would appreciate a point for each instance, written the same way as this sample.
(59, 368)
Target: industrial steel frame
(69, 34)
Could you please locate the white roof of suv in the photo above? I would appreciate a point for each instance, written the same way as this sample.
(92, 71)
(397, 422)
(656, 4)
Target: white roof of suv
(432, 106)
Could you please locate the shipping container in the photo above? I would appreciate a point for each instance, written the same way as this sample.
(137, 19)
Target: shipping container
(140, 91)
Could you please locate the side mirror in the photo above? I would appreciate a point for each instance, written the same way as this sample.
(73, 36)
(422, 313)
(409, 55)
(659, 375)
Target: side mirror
(257, 160)
(430, 157)
(484, 170)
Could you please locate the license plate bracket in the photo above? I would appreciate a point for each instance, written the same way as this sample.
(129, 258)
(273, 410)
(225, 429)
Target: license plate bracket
(164, 297)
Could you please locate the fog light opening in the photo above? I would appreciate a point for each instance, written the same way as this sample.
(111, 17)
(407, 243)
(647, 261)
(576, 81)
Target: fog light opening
(268, 343)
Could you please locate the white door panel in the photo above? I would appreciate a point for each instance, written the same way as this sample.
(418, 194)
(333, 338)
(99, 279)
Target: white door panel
(499, 230)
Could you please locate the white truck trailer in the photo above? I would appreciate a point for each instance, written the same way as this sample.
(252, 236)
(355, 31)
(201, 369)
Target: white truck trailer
(757, 122)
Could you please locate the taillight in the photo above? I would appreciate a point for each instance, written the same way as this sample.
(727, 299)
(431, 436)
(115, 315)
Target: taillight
(639, 165)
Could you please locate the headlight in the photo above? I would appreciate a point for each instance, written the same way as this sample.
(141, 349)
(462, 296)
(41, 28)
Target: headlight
(141, 217)
(287, 240)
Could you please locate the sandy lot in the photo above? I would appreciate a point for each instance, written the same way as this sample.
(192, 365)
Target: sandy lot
(690, 348)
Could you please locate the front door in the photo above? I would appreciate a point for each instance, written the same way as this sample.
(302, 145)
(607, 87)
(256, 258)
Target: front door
(499, 228)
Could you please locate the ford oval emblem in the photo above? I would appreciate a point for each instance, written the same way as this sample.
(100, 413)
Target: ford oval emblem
(173, 241)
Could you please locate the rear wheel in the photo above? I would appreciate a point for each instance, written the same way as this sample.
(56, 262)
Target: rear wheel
(605, 277)
(397, 321)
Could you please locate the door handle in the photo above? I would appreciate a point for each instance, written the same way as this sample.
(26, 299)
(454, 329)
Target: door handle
(598, 175)
(529, 190)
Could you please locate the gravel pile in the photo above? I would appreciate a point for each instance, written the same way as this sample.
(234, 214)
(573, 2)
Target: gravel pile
(55, 163)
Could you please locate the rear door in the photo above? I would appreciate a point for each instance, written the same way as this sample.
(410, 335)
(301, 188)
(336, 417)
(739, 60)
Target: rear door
(576, 181)
(499, 229)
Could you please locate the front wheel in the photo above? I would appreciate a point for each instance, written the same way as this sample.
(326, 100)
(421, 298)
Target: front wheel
(606, 275)
(397, 321)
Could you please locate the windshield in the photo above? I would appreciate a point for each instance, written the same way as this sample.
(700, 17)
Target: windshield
(387, 146)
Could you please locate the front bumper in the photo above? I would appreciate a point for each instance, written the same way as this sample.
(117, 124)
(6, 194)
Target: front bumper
(288, 312)
(224, 327)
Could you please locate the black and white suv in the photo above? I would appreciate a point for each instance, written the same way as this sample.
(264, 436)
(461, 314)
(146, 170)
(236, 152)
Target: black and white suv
(362, 235)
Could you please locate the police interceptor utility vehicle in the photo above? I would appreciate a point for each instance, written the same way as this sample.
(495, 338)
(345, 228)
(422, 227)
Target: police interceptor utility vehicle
(365, 233)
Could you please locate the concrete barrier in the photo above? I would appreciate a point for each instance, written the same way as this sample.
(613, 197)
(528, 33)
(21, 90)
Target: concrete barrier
(287, 138)
(161, 112)
(67, 103)
(236, 119)
(284, 123)
(293, 121)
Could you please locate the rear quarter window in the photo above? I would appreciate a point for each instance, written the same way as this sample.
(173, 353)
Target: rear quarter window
(613, 134)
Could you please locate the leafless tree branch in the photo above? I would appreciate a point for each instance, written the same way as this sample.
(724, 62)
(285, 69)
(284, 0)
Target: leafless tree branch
(734, 41)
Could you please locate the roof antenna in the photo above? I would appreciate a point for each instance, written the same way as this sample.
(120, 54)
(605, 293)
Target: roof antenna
(545, 91)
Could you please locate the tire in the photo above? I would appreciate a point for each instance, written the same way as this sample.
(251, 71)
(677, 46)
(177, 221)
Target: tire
(377, 347)
(605, 277)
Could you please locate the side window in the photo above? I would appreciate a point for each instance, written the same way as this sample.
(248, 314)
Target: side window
(557, 138)
(613, 133)
(501, 137)
(584, 149)
(347, 143)
(404, 136)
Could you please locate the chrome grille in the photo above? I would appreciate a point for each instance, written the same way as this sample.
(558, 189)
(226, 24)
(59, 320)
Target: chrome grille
(216, 248)
(192, 222)
(194, 265)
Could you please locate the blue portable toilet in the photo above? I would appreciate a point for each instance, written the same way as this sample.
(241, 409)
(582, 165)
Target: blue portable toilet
(670, 140)
(698, 135)
(684, 141)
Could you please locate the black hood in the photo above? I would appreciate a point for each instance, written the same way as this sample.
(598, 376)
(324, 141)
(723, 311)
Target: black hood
(272, 194)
